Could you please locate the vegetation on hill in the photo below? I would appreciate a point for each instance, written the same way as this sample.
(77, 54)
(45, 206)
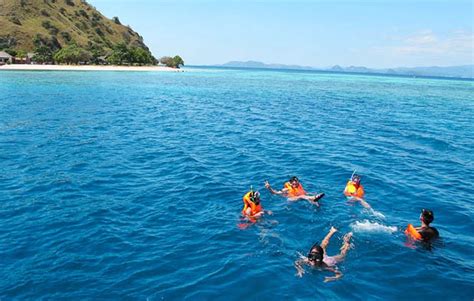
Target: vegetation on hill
(69, 31)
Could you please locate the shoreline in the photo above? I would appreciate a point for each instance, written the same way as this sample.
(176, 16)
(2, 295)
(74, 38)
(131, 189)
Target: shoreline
(21, 67)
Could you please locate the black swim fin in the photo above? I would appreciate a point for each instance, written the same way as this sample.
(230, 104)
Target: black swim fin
(318, 197)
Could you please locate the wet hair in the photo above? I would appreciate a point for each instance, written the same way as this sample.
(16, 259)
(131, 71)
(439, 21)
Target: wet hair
(294, 179)
(427, 216)
(316, 254)
(355, 178)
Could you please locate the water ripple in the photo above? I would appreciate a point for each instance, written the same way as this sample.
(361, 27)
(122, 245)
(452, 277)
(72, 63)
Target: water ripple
(129, 186)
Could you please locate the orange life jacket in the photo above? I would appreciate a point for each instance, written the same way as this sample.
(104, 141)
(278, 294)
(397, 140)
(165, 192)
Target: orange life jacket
(254, 208)
(351, 190)
(293, 192)
(411, 231)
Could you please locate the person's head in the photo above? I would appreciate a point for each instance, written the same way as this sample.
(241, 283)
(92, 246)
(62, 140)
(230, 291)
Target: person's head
(255, 197)
(426, 216)
(356, 179)
(316, 254)
(294, 182)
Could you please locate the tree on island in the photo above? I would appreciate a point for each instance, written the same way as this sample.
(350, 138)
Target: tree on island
(172, 62)
(21, 55)
(43, 55)
(178, 61)
(130, 56)
(120, 55)
(141, 57)
(72, 54)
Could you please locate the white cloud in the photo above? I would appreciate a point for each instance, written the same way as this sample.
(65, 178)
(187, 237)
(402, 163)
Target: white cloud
(426, 47)
(426, 42)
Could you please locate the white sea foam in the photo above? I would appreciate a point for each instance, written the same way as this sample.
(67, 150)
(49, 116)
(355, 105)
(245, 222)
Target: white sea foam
(368, 226)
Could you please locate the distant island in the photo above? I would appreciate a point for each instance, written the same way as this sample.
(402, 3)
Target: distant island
(69, 32)
(466, 71)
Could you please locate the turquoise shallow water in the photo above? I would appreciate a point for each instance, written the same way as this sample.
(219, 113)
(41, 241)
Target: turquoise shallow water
(129, 185)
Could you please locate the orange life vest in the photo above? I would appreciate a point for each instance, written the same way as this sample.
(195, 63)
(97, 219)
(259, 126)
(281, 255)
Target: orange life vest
(293, 192)
(254, 208)
(351, 190)
(411, 231)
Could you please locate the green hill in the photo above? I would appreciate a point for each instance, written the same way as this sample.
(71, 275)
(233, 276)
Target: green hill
(26, 25)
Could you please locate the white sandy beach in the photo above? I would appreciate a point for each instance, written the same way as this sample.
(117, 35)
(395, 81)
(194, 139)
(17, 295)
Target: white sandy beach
(88, 68)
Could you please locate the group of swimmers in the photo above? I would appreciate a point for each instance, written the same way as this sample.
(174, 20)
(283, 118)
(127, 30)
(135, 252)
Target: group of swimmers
(317, 257)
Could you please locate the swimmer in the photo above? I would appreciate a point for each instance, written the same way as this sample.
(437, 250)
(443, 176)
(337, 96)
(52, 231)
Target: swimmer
(252, 206)
(355, 190)
(293, 190)
(425, 232)
(317, 257)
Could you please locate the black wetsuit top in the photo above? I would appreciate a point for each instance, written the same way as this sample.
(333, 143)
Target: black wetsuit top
(429, 233)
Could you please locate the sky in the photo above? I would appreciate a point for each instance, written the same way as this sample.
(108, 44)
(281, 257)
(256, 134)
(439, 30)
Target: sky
(317, 33)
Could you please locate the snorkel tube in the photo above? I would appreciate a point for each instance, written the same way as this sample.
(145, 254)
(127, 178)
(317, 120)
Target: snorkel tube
(353, 173)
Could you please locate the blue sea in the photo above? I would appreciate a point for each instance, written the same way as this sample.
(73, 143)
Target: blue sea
(129, 185)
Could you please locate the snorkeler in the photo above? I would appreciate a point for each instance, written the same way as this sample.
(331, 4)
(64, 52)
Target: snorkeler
(293, 190)
(252, 205)
(317, 257)
(425, 232)
(354, 190)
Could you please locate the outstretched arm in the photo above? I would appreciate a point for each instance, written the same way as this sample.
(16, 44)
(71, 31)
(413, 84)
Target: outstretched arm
(299, 266)
(325, 241)
(346, 245)
(362, 202)
(273, 191)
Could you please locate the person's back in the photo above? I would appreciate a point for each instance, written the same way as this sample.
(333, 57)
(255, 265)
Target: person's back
(425, 232)
(429, 233)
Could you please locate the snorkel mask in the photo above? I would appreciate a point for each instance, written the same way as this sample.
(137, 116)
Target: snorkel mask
(254, 196)
(355, 179)
(316, 253)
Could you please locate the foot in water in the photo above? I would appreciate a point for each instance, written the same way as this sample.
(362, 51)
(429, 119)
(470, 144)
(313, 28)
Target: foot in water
(347, 237)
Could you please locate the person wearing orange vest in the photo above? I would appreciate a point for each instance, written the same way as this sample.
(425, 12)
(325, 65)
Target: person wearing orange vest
(425, 232)
(293, 190)
(354, 190)
(252, 206)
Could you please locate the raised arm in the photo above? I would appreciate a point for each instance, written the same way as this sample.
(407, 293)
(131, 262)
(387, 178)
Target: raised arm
(273, 191)
(325, 241)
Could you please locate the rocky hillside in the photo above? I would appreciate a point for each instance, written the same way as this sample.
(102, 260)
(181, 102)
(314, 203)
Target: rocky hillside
(27, 24)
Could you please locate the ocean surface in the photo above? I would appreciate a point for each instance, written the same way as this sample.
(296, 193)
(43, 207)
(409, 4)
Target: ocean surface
(128, 186)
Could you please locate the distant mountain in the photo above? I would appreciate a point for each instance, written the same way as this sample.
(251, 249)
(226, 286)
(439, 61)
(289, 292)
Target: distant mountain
(466, 71)
(255, 64)
(26, 24)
